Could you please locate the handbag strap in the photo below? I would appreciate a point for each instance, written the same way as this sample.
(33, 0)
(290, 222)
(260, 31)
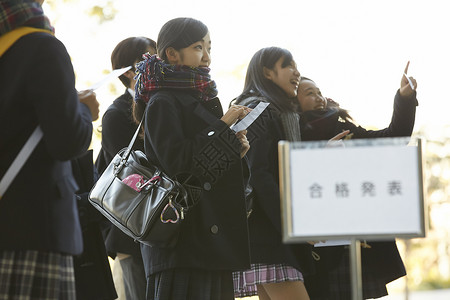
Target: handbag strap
(7, 40)
(127, 152)
(20, 160)
(130, 146)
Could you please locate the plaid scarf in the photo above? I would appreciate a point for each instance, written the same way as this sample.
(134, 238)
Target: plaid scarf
(290, 120)
(154, 74)
(18, 13)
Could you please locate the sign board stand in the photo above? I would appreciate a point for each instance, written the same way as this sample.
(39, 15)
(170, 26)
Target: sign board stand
(375, 183)
(355, 269)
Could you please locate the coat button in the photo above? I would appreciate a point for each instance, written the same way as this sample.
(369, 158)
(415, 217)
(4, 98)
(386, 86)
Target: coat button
(211, 133)
(207, 186)
(214, 229)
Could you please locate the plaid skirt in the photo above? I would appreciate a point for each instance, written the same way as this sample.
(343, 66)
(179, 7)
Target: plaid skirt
(181, 284)
(36, 275)
(245, 282)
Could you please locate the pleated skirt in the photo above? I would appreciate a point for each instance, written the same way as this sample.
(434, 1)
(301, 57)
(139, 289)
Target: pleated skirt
(30, 274)
(181, 284)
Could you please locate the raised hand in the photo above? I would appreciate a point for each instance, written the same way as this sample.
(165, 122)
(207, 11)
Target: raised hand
(336, 141)
(407, 84)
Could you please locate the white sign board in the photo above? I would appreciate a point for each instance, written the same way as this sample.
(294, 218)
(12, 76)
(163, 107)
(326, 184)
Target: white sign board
(366, 189)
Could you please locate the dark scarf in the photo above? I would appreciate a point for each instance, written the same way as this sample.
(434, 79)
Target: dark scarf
(320, 124)
(290, 120)
(153, 74)
(19, 13)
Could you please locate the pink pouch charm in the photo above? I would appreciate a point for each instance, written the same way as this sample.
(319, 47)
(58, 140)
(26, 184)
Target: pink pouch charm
(134, 181)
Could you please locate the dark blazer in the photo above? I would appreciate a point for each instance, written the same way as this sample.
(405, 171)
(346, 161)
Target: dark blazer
(118, 128)
(265, 222)
(186, 137)
(93, 278)
(37, 87)
(382, 260)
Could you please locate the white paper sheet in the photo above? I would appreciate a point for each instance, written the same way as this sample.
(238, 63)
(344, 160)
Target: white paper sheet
(113, 74)
(250, 117)
(332, 243)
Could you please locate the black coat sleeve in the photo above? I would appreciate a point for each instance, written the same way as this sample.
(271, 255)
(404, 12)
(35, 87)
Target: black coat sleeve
(402, 121)
(182, 143)
(117, 131)
(264, 135)
(66, 123)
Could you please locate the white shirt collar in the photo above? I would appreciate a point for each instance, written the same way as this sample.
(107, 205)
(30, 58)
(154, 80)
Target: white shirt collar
(132, 92)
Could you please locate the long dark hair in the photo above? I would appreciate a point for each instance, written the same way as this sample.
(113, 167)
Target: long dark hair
(128, 51)
(256, 84)
(177, 33)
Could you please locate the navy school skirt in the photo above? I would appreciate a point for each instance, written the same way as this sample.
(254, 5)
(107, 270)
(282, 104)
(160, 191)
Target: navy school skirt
(190, 284)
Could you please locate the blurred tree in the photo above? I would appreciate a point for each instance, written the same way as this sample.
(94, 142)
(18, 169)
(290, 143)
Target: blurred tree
(427, 260)
(103, 10)
(103, 13)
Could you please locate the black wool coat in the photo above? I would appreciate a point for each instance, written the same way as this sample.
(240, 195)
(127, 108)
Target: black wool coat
(93, 278)
(37, 87)
(118, 128)
(382, 260)
(265, 222)
(325, 124)
(184, 137)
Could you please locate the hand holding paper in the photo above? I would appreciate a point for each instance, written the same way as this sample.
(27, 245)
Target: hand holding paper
(407, 84)
(234, 113)
(250, 117)
(89, 98)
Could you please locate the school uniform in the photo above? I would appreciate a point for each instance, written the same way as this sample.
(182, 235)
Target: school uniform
(93, 278)
(185, 137)
(272, 260)
(381, 263)
(38, 211)
(118, 128)
(39, 223)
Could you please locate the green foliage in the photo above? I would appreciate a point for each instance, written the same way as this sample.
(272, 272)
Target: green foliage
(427, 259)
(103, 11)
(435, 283)
(113, 89)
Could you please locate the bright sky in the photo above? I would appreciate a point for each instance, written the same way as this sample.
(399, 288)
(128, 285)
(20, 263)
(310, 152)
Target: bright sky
(355, 50)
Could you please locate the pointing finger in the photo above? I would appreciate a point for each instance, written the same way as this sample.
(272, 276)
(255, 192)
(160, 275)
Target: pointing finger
(406, 69)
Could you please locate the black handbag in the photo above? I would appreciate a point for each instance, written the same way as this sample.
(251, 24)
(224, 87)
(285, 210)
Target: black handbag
(140, 199)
